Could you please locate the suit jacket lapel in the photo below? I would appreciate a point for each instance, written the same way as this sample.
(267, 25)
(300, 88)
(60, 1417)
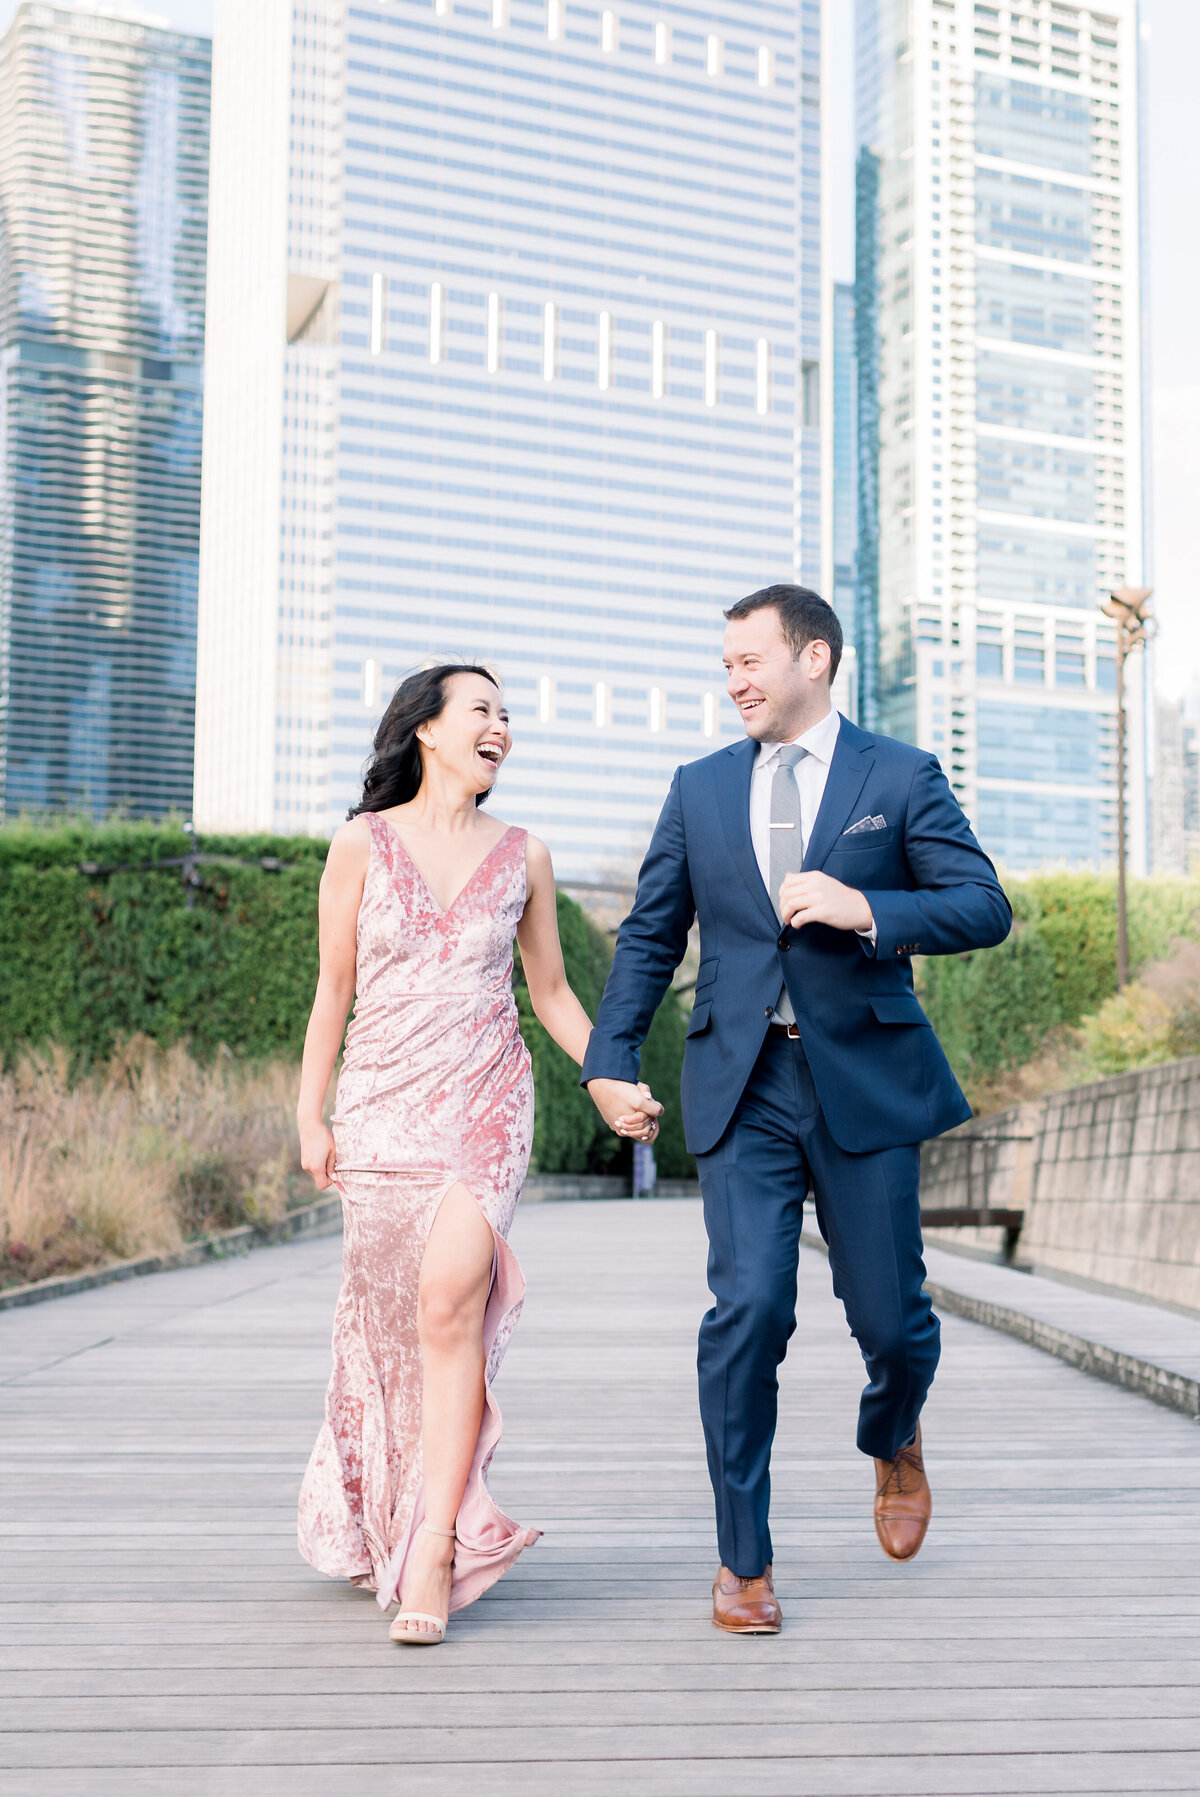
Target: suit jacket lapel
(733, 799)
(852, 762)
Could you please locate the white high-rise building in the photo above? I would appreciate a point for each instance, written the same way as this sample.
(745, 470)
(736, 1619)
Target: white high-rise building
(1000, 403)
(514, 341)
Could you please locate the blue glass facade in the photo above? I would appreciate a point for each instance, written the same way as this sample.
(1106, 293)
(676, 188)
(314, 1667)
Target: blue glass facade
(1000, 426)
(103, 198)
(845, 459)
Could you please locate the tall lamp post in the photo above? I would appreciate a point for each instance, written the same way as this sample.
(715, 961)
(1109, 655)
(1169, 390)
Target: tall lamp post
(1129, 607)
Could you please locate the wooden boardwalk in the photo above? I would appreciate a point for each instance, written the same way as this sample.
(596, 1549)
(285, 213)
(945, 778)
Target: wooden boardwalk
(158, 1632)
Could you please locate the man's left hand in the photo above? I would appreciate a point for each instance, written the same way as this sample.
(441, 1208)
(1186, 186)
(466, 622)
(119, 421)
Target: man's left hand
(816, 898)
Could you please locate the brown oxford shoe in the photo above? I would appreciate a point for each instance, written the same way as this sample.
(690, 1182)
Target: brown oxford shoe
(903, 1501)
(746, 1606)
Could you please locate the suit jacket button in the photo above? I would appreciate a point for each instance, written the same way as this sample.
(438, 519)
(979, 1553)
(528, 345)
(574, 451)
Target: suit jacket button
(784, 941)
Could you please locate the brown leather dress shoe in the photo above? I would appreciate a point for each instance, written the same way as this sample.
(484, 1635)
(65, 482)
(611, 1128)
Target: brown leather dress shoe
(903, 1501)
(746, 1606)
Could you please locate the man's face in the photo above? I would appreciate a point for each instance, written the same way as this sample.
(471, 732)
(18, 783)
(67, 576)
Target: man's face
(778, 695)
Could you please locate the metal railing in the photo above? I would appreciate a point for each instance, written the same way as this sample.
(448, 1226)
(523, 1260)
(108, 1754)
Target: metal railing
(969, 1165)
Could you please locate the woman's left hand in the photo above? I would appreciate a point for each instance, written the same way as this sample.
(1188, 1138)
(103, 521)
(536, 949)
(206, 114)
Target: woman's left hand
(636, 1124)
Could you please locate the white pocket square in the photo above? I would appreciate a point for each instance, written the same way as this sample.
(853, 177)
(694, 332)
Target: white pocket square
(864, 824)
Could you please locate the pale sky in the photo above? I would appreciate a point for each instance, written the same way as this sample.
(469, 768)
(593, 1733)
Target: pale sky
(1174, 284)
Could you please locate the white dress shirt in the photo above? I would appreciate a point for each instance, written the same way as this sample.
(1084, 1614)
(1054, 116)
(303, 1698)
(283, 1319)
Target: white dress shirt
(810, 774)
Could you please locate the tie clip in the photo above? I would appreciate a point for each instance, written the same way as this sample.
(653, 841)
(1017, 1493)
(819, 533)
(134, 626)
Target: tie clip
(783, 826)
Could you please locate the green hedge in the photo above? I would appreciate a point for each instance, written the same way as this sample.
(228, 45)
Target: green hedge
(993, 1008)
(88, 959)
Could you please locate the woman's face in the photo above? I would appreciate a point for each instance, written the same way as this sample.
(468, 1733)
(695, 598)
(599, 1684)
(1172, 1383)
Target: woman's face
(470, 738)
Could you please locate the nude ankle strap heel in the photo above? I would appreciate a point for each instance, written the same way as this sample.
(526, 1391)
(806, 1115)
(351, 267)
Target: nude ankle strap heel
(436, 1632)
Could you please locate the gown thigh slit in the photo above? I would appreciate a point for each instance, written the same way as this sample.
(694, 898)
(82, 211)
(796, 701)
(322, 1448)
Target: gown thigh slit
(435, 1091)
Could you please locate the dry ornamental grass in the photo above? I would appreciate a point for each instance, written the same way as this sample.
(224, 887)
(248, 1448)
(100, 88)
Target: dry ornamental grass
(139, 1155)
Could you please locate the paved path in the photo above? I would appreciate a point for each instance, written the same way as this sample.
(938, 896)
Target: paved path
(159, 1634)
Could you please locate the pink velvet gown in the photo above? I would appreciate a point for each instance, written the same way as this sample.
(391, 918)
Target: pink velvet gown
(435, 1088)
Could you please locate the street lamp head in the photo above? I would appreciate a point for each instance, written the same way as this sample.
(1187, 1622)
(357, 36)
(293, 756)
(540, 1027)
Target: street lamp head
(1129, 605)
(1130, 608)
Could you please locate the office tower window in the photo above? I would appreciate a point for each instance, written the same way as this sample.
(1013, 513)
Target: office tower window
(762, 376)
(604, 364)
(708, 714)
(549, 340)
(378, 312)
(810, 394)
(437, 322)
(712, 368)
(658, 358)
(495, 316)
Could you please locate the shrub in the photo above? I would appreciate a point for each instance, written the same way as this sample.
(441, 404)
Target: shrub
(226, 961)
(998, 1008)
(1156, 1018)
(569, 1134)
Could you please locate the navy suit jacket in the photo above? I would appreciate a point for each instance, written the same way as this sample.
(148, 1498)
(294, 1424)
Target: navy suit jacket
(879, 1070)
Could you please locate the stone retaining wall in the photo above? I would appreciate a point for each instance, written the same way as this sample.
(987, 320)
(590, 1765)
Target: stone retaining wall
(1108, 1176)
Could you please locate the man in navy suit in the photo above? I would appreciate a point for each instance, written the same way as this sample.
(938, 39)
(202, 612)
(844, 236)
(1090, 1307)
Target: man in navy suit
(819, 858)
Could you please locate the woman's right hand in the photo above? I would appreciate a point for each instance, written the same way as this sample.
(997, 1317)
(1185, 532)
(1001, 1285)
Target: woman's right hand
(318, 1153)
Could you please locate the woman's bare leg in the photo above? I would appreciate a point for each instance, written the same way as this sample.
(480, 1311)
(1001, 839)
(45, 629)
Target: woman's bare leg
(456, 1276)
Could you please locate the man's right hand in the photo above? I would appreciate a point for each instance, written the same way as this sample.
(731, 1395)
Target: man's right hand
(626, 1108)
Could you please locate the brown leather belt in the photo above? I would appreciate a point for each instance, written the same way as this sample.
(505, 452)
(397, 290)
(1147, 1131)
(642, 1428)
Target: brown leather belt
(791, 1030)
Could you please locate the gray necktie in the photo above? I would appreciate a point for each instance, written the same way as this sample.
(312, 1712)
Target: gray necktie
(787, 839)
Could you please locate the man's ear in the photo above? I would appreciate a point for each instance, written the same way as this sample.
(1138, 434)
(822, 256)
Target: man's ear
(820, 658)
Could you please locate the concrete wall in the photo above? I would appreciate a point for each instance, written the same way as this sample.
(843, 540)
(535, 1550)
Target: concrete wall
(1108, 1175)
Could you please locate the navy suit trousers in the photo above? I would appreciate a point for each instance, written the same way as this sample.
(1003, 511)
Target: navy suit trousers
(754, 1183)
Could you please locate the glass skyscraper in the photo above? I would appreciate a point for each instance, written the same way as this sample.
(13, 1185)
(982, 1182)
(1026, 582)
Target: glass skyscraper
(103, 198)
(844, 447)
(514, 356)
(998, 326)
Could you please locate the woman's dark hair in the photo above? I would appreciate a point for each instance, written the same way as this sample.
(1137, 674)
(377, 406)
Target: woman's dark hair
(393, 775)
(804, 618)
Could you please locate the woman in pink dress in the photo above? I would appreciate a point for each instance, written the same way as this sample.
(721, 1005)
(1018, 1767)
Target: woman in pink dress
(420, 901)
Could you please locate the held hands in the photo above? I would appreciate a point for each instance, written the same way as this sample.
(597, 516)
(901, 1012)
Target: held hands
(318, 1155)
(628, 1109)
(816, 898)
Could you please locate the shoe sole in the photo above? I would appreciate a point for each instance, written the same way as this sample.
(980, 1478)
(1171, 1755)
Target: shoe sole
(748, 1628)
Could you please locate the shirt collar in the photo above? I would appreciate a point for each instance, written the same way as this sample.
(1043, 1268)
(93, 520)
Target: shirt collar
(820, 741)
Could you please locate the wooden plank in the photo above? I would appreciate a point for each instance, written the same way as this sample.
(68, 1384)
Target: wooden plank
(157, 1629)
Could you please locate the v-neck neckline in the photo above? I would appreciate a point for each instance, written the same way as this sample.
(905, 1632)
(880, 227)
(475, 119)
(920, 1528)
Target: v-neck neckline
(443, 910)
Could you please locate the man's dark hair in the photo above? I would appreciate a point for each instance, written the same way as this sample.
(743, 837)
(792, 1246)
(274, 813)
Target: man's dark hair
(804, 618)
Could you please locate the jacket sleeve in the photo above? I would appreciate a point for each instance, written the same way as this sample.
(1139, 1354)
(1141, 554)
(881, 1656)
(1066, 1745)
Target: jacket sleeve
(650, 945)
(958, 902)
